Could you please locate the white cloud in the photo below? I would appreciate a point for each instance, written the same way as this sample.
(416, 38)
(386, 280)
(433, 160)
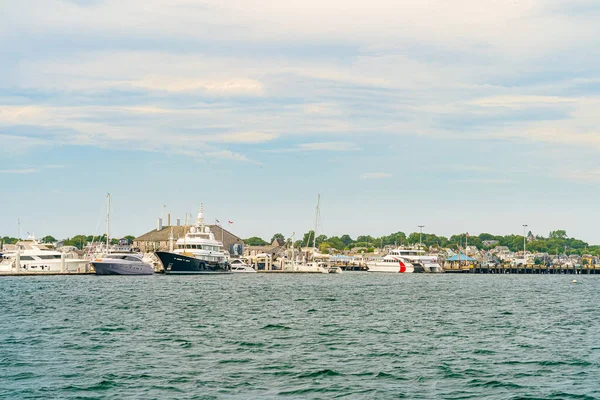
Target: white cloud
(328, 146)
(375, 175)
(244, 137)
(216, 87)
(591, 175)
(226, 155)
(486, 181)
(18, 171)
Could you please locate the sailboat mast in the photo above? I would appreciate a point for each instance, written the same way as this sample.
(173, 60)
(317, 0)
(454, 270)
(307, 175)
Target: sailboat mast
(316, 221)
(107, 220)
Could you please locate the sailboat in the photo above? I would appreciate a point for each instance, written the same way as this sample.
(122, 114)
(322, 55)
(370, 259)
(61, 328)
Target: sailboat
(313, 262)
(119, 263)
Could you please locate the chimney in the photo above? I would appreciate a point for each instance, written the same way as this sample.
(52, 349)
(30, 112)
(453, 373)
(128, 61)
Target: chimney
(159, 226)
(169, 220)
(178, 222)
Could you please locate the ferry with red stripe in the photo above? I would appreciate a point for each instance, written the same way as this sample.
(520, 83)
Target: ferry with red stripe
(405, 260)
(390, 264)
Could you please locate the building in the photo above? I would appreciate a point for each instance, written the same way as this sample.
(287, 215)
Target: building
(158, 239)
(272, 249)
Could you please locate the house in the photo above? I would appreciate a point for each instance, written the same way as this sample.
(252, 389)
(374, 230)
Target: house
(272, 249)
(490, 243)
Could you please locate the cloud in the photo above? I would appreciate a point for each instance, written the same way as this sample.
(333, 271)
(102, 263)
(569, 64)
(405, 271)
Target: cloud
(18, 171)
(328, 146)
(215, 87)
(226, 155)
(244, 137)
(486, 181)
(375, 175)
(591, 175)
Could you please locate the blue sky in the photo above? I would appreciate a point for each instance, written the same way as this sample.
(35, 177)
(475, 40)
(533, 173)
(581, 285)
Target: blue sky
(463, 116)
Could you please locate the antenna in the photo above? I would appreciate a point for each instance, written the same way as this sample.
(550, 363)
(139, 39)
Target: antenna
(107, 220)
(316, 221)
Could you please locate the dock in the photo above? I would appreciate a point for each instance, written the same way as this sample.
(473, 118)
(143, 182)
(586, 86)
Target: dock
(527, 269)
(49, 273)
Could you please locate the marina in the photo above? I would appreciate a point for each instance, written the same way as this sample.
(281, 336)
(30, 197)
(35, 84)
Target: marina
(203, 249)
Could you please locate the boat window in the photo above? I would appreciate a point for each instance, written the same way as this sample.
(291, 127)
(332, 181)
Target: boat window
(28, 258)
(49, 257)
(130, 258)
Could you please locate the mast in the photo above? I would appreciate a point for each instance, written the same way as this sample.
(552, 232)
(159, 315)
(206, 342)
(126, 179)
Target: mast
(293, 262)
(316, 221)
(107, 220)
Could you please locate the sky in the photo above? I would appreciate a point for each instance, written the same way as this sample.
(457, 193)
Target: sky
(461, 115)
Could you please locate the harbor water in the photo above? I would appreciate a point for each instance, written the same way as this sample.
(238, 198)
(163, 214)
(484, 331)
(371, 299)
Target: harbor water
(352, 335)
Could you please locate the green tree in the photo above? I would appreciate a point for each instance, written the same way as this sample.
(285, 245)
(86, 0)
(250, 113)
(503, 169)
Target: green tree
(277, 236)
(255, 241)
(324, 247)
(336, 243)
(559, 234)
(129, 238)
(346, 239)
(366, 239)
(48, 239)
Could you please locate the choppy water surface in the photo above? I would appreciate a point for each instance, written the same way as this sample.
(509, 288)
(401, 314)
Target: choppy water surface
(353, 335)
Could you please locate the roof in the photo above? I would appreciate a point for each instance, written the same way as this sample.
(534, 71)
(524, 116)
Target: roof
(463, 257)
(178, 232)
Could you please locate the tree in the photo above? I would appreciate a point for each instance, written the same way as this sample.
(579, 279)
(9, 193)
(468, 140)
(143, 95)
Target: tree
(277, 236)
(336, 243)
(320, 239)
(78, 241)
(559, 234)
(346, 239)
(324, 247)
(129, 238)
(48, 239)
(255, 241)
(366, 239)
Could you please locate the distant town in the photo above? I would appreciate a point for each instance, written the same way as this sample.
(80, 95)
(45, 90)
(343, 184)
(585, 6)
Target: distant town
(485, 249)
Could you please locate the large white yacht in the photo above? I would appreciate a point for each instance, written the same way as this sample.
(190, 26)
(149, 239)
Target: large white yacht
(33, 257)
(404, 260)
(197, 253)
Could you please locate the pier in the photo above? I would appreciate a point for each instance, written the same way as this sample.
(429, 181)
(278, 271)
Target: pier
(527, 269)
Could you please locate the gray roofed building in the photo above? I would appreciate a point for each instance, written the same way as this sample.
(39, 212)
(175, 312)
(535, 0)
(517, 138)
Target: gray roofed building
(156, 240)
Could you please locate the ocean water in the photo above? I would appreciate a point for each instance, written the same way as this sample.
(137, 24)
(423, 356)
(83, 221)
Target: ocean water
(354, 335)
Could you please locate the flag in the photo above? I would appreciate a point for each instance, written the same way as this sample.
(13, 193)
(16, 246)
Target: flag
(230, 222)
(467, 234)
(217, 221)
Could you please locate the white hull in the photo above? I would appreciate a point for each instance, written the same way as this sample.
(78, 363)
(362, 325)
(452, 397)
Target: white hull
(376, 267)
(242, 270)
(314, 269)
(46, 266)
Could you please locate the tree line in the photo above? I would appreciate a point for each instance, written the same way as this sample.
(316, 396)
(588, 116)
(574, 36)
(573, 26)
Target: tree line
(557, 242)
(78, 241)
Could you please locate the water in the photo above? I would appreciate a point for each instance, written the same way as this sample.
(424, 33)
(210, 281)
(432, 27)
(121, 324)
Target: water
(353, 335)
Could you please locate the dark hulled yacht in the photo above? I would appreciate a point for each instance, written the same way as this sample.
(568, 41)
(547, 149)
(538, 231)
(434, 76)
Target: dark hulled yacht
(197, 253)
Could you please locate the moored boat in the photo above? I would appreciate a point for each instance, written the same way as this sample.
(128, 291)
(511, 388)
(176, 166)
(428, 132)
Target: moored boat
(121, 264)
(198, 252)
(239, 266)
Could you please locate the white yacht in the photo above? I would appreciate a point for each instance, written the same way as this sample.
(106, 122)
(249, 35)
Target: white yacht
(239, 266)
(117, 259)
(34, 257)
(197, 253)
(404, 260)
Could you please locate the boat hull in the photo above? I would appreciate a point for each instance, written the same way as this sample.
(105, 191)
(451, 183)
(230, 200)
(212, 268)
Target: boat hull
(406, 269)
(115, 268)
(178, 264)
